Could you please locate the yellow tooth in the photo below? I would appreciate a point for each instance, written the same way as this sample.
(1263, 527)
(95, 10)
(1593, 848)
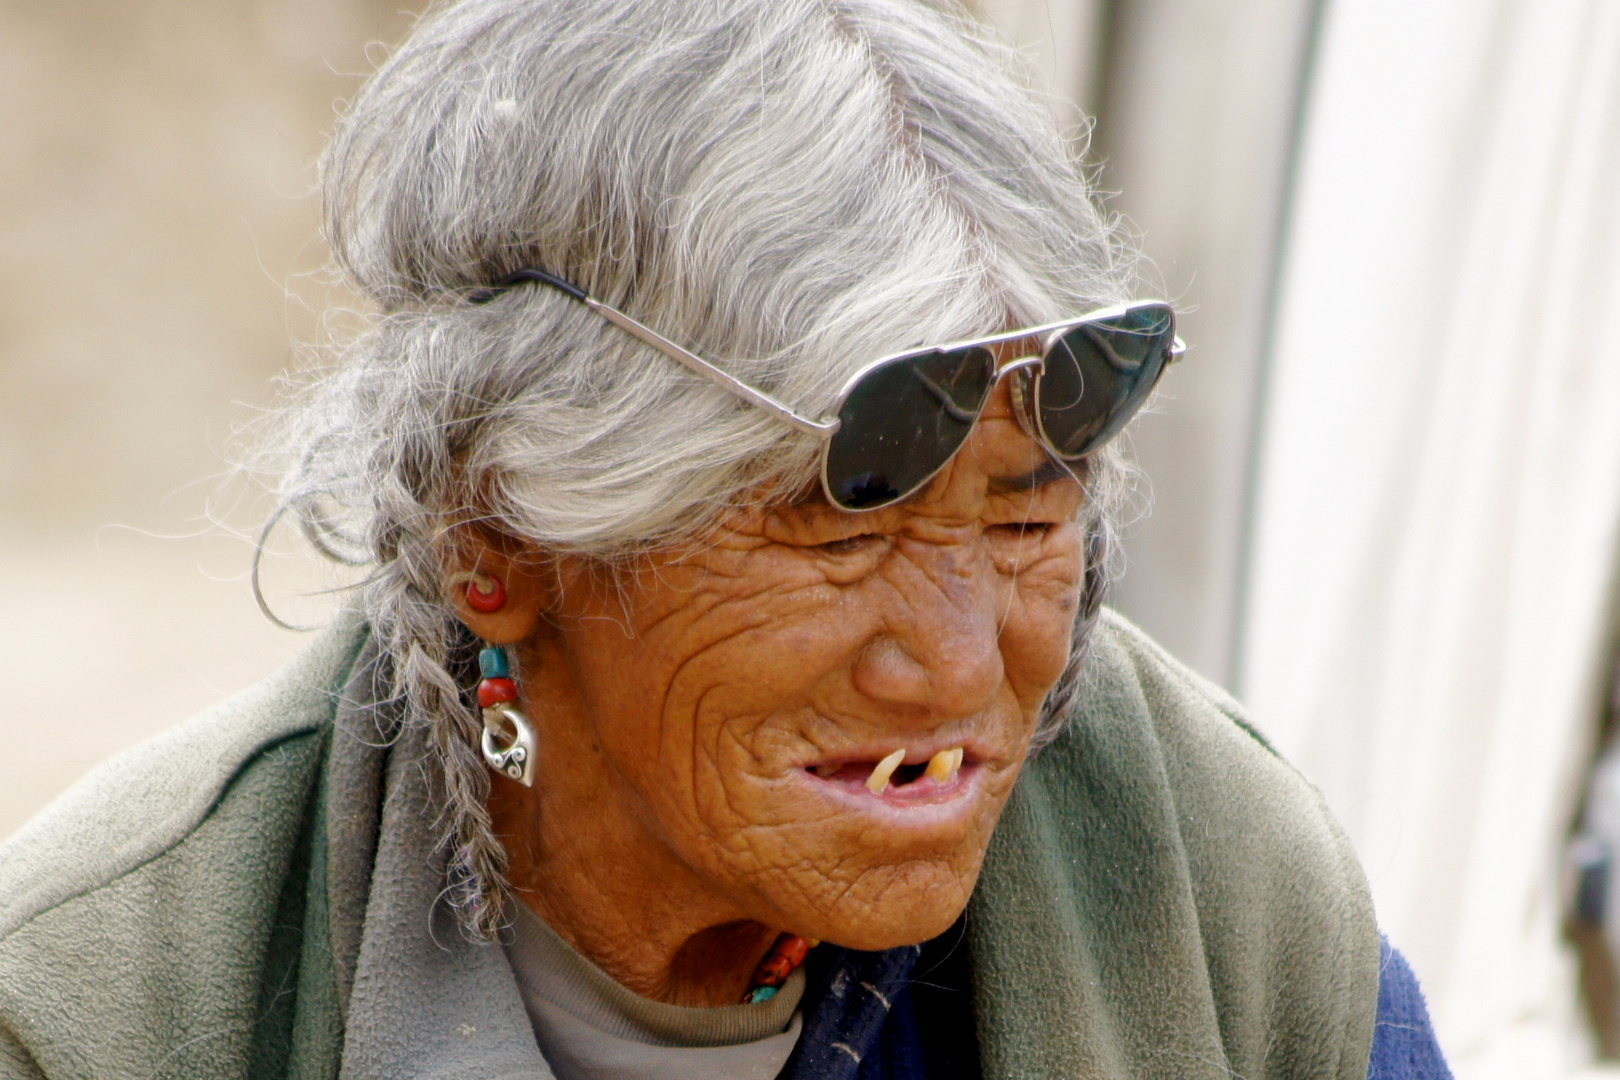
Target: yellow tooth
(956, 763)
(941, 766)
(824, 771)
(878, 782)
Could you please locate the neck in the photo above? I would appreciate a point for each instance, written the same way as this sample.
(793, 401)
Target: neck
(581, 859)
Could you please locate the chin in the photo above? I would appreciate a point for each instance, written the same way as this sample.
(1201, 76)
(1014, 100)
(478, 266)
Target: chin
(894, 906)
(880, 900)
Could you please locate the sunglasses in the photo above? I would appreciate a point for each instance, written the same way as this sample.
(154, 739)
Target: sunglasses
(900, 419)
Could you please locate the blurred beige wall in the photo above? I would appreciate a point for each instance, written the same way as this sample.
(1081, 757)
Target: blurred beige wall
(156, 164)
(1197, 113)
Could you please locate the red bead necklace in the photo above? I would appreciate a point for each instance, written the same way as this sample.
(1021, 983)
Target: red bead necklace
(788, 953)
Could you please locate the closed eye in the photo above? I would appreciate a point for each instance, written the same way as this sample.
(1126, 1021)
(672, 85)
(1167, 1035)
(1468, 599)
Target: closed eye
(1017, 530)
(1049, 471)
(850, 544)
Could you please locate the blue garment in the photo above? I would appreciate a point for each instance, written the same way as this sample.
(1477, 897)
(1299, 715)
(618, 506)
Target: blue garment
(852, 1029)
(861, 1017)
(1404, 1046)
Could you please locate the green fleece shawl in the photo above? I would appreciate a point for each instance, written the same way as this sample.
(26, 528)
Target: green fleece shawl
(1164, 897)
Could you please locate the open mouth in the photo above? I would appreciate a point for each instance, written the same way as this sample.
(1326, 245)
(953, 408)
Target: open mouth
(893, 776)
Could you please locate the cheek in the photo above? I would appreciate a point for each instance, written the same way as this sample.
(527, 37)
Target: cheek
(704, 701)
(751, 700)
(1037, 634)
(709, 724)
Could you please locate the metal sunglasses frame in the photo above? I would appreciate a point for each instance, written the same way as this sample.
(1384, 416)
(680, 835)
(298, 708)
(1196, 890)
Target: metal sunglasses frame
(1049, 334)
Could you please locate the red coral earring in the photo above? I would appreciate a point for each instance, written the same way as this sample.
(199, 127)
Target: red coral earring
(485, 595)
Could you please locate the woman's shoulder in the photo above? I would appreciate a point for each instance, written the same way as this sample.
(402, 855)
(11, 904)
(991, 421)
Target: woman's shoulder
(1125, 661)
(1159, 859)
(1201, 736)
(148, 799)
(1246, 819)
(161, 865)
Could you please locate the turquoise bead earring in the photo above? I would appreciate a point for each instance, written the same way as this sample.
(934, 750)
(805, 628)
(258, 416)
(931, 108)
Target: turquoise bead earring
(507, 741)
(497, 697)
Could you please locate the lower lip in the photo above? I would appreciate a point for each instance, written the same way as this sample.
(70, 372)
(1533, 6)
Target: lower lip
(921, 793)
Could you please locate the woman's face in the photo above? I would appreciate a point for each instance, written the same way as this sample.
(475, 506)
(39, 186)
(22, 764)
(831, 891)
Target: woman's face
(737, 700)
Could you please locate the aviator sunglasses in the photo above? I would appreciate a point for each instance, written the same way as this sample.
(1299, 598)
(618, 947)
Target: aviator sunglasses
(901, 418)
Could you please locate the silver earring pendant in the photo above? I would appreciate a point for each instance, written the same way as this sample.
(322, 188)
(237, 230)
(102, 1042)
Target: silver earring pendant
(516, 757)
(508, 740)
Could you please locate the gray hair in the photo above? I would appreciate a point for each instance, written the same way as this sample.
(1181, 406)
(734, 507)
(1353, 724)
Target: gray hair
(789, 187)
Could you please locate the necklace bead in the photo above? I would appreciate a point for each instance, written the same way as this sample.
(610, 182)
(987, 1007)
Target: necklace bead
(786, 955)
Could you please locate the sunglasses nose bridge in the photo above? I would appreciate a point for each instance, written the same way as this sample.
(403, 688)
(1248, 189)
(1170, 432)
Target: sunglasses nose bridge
(1020, 389)
(1020, 363)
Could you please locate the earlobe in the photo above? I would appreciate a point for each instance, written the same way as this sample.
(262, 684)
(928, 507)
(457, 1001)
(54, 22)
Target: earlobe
(484, 594)
(499, 601)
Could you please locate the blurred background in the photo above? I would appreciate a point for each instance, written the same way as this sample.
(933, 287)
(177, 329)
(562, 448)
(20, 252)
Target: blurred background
(1381, 498)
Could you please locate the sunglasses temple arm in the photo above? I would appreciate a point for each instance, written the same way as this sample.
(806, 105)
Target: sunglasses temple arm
(695, 363)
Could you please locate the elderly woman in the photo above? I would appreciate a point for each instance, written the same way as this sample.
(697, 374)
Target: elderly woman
(730, 694)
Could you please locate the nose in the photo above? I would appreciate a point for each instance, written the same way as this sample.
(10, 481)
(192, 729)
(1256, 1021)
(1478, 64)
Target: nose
(940, 657)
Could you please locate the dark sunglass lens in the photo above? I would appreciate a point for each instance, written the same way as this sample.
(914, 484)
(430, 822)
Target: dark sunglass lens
(902, 421)
(1098, 375)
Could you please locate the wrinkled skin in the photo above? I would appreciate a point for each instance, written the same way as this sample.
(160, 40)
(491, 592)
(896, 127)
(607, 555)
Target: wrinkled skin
(677, 825)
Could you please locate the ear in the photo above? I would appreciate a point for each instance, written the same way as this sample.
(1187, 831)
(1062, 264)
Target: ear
(525, 579)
